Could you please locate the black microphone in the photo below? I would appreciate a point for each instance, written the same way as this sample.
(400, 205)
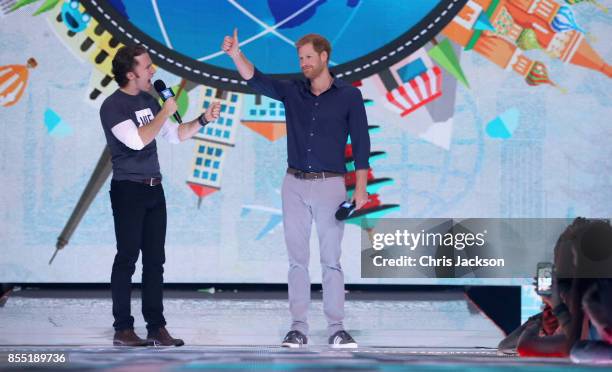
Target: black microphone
(164, 94)
(345, 210)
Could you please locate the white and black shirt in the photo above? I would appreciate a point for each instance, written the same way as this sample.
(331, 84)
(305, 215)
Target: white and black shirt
(121, 115)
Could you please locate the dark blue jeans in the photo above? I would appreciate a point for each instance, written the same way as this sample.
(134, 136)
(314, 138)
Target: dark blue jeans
(139, 212)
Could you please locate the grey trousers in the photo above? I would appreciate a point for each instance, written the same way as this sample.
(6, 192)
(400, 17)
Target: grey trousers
(303, 202)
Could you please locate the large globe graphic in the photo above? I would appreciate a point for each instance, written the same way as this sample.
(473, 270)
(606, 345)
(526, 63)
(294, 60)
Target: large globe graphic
(185, 36)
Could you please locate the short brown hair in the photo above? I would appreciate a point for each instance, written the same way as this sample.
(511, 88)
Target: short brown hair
(319, 43)
(125, 61)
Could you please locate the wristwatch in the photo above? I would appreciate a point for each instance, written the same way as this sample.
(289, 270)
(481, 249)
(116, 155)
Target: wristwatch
(202, 120)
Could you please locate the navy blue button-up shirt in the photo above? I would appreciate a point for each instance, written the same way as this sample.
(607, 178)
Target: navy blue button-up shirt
(318, 126)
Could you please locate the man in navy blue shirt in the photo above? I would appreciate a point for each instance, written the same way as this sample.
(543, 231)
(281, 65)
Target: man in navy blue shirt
(321, 112)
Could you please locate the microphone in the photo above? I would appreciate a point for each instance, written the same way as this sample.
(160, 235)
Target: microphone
(164, 94)
(345, 210)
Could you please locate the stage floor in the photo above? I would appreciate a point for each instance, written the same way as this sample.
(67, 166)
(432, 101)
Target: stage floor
(274, 358)
(433, 331)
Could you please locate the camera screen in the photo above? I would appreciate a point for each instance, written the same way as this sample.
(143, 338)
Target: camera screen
(544, 279)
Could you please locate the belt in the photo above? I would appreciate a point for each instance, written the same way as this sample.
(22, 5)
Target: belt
(312, 175)
(150, 181)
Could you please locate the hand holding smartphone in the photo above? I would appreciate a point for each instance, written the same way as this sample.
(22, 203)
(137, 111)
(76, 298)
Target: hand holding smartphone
(544, 279)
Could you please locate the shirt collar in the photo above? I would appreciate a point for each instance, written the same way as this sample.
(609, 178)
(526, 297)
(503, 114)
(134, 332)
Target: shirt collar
(337, 83)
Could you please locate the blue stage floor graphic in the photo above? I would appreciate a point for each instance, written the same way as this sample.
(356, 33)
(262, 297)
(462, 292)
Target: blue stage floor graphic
(426, 331)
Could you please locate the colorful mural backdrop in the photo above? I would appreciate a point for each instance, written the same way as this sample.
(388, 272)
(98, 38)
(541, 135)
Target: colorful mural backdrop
(477, 108)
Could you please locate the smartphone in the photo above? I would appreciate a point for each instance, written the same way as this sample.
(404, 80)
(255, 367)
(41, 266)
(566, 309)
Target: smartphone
(544, 279)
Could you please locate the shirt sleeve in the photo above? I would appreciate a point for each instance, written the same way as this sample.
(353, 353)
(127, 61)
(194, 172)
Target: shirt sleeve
(358, 130)
(121, 126)
(273, 88)
(112, 114)
(127, 133)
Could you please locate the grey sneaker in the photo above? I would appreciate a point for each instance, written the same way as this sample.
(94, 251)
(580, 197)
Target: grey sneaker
(295, 339)
(342, 340)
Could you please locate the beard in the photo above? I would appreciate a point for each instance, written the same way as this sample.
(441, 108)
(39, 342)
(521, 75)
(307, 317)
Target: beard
(313, 72)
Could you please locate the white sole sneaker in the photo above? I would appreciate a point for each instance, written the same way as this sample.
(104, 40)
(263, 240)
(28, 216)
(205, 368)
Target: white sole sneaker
(352, 345)
(293, 346)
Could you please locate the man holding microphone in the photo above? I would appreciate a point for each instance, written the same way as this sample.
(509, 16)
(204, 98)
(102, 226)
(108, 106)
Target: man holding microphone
(131, 119)
(321, 111)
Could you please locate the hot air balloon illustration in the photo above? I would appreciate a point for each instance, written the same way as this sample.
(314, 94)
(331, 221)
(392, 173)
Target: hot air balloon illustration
(13, 81)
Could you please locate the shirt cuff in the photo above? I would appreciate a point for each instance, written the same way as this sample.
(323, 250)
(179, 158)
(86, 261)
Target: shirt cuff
(256, 76)
(362, 166)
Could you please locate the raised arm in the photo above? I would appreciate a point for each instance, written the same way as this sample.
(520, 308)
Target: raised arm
(231, 47)
(147, 133)
(273, 88)
(188, 130)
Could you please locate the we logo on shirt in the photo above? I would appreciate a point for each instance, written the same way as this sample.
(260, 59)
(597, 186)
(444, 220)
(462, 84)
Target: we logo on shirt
(144, 117)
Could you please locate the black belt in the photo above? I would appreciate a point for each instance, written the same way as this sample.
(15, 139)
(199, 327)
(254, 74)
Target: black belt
(150, 181)
(312, 175)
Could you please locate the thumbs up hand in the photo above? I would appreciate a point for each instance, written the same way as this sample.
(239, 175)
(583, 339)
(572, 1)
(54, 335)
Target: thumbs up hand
(230, 45)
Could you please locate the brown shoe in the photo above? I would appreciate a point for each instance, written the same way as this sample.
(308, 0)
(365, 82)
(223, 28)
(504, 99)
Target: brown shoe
(128, 337)
(161, 337)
